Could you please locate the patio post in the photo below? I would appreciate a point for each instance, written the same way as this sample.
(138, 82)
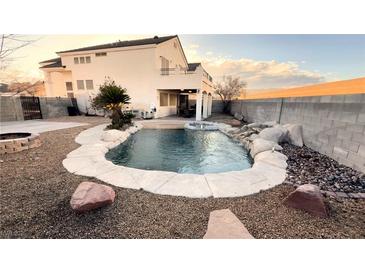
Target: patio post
(210, 103)
(205, 105)
(198, 114)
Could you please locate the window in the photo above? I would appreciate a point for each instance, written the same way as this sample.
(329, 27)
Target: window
(80, 84)
(70, 95)
(89, 84)
(164, 66)
(82, 60)
(76, 60)
(88, 59)
(69, 86)
(173, 99)
(99, 54)
(164, 99)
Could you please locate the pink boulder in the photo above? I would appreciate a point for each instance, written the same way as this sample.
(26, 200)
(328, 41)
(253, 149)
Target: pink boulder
(89, 195)
(309, 198)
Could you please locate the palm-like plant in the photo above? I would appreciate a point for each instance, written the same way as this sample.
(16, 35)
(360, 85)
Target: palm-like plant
(113, 97)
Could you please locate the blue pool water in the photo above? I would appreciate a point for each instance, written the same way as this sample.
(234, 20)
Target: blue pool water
(182, 151)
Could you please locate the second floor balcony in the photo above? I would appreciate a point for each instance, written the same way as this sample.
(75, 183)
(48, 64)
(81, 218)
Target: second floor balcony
(175, 78)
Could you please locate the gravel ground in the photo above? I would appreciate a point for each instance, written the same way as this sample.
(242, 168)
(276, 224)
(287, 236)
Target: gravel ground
(35, 192)
(308, 166)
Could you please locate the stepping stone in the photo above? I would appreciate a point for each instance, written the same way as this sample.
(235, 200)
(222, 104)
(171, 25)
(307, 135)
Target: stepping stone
(223, 224)
(309, 198)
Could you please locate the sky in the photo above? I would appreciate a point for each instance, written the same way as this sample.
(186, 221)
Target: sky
(263, 61)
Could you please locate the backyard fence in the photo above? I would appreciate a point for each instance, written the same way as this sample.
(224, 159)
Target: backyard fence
(332, 125)
(18, 108)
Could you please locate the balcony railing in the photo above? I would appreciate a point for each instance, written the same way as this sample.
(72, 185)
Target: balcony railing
(176, 71)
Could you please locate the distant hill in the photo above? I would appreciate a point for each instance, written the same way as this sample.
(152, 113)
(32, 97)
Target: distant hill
(352, 86)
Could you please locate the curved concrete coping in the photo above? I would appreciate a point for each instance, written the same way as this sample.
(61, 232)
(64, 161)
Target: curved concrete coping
(269, 168)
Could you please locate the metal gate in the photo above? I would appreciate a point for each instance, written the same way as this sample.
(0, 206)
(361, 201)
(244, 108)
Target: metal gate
(31, 107)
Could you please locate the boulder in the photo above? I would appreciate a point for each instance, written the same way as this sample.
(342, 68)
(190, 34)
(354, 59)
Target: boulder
(252, 137)
(273, 158)
(274, 134)
(295, 134)
(260, 145)
(113, 135)
(89, 195)
(223, 224)
(309, 198)
(234, 123)
(238, 116)
(269, 123)
(252, 125)
(257, 126)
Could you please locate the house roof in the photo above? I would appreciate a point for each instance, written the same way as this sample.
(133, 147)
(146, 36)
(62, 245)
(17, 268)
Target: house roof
(50, 60)
(193, 66)
(57, 63)
(129, 43)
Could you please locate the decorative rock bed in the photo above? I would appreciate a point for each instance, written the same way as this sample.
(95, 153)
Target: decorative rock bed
(19, 141)
(267, 171)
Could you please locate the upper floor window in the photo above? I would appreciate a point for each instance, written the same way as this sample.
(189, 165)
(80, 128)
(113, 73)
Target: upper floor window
(98, 54)
(80, 84)
(82, 60)
(164, 66)
(69, 86)
(89, 84)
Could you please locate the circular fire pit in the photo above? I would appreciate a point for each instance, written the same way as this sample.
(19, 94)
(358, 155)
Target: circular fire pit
(18, 141)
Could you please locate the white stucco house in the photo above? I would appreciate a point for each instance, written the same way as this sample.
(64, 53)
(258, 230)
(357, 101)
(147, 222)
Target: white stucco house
(154, 71)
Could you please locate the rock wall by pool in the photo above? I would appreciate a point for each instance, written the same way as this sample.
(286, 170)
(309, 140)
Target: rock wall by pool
(332, 125)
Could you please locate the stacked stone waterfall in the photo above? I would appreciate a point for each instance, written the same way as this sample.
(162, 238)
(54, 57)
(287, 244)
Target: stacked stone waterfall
(262, 138)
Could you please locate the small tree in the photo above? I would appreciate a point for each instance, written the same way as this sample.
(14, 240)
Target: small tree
(113, 97)
(9, 44)
(229, 88)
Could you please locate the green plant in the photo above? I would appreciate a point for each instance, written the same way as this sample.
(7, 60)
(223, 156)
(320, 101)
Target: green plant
(113, 97)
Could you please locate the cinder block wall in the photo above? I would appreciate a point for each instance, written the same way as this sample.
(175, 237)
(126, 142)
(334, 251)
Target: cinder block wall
(332, 125)
(217, 106)
(52, 107)
(11, 107)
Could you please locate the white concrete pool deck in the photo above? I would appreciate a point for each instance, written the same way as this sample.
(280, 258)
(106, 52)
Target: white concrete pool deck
(89, 160)
(36, 126)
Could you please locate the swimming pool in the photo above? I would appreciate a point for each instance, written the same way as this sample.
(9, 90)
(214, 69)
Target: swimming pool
(182, 151)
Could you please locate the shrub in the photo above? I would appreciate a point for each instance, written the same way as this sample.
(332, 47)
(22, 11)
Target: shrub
(113, 97)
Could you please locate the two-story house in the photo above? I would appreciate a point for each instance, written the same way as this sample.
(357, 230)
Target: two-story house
(154, 71)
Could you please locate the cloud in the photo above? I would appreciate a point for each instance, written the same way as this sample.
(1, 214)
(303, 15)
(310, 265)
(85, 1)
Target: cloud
(257, 73)
(263, 74)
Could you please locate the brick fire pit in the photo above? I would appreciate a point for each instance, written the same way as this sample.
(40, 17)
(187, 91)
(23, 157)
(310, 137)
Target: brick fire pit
(18, 141)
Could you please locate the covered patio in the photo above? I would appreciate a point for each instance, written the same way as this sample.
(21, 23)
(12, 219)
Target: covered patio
(186, 103)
